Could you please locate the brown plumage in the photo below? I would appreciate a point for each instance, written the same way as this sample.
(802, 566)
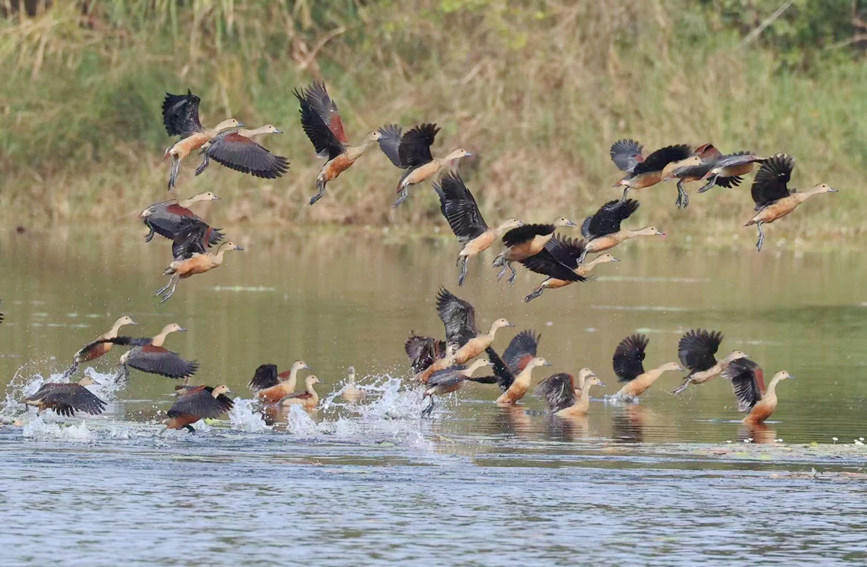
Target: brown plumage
(308, 399)
(271, 387)
(66, 399)
(191, 258)
(169, 218)
(521, 383)
(628, 362)
(237, 150)
(97, 348)
(643, 172)
(696, 350)
(199, 402)
(748, 382)
(563, 397)
(526, 241)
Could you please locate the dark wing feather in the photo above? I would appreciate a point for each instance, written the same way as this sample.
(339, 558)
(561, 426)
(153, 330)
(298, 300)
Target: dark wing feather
(321, 121)
(458, 316)
(662, 157)
(389, 142)
(264, 377)
(728, 182)
(201, 403)
(771, 180)
(447, 377)
(737, 158)
(66, 399)
(169, 220)
(746, 377)
(157, 360)
(526, 233)
(503, 376)
(192, 238)
(243, 154)
(546, 264)
(696, 349)
(423, 351)
(693, 171)
(522, 348)
(558, 390)
(566, 250)
(414, 148)
(626, 154)
(608, 218)
(628, 357)
(459, 208)
(181, 114)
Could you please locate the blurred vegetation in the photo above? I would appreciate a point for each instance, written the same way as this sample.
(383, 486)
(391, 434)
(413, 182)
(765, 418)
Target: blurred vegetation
(538, 89)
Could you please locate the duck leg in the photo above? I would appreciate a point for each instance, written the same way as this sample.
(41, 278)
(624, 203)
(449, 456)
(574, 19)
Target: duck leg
(320, 186)
(202, 166)
(170, 292)
(122, 374)
(761, 237)
(707, 186)
(463, 261)
(429, 408)
(625, 193)
(514, 275)
(150, 235)
(190, 429)
(534, 294)
(682, 197)
(404, 193)
(162, 289)
(686, 382)
(173, 172)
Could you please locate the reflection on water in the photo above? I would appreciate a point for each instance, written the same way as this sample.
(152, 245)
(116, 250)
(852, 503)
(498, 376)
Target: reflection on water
(360, 473)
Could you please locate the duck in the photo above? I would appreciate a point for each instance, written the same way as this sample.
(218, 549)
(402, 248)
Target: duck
(772, 196)
(526, 241)
(411, 151)
(169, 218)
(65, 399)
(459, 319)
(423, 351)
(321, 121)
(191, 257)
(728, 170)
(235, 148)
(629, 367)
(522, 348)
(696, 350)
(199, 402)
(695, 168)
(462, 213)
(98, 347)
(181, 118)
(351, 392)
(602, 229)
(748, 382)
(271, 387)
(150, 356)
(449, 380)
(562, 253)
(564, 399)
(642, 172)
(307, 400)
(438, 364)
(522, 382)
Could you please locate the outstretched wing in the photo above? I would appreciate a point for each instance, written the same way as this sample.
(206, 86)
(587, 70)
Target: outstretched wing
(566, 250)
(502, 375)
(414, 149)
(662, 157)
(629, 357)
(771, 180)
(321, 120)
(696, 349)
(626, 154)
(157, 360)
(526, 233)
(202, 403)
(546, 264)
(608, 218)
(192, 237)
(459, 208)
(181, 114)
(264, 377)
(389, 142)
(243, 154)
(521, 350)
(423, 351)
(458, 316)
(66, 399)
(558, 390)
(747, 380)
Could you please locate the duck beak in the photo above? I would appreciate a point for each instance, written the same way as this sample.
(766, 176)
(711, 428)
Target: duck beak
(791, 377)
(660, 233)
(613, 259)
(239, 249)
(832, 190)
(571, 223)
(547, 364)
(276, 131)
(241, 124)
(181, 329)
(215, 198)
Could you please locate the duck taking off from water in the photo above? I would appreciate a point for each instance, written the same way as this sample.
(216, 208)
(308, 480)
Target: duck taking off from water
(169, 218)
(66, 399)
(562, 253)
(308, 399)
(564, 399)
(459, 318)
(324, 127)
(462, 213)
(748, 382)
(98, 347)
(148, 355)
(236, 149)
(522, 382)
(696, 350)
(696, 168)
(181, 118)
(271, 387)
(602, 229)
(643, 172)
(423, 351)
(191, 257)
(526, 241)
(449, 380)
(199, 402)
(628, 364)
(772, 196)
(521, 350)
(411, 151)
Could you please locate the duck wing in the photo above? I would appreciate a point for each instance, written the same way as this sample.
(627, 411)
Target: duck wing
(747, 380)
(459, 208)
(662, 157)
(697, 347)
(66, 399)
(264, 377)
(243, 154)
(389, 142)
(200, 402)
(770, 183)
(558, 390)
(629, 356)
(626, 154)
(414, 148)
(423, 351)
(521, 350)
(458, 316)
(181, 114)
(526, 233)
(608, 218)
(158, 360)
(321, 120)
(546, 264)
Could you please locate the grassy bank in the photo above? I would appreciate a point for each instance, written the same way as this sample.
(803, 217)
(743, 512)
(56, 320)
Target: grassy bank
(538, 92)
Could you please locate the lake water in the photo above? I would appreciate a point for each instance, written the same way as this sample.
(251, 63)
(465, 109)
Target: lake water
(669, 481)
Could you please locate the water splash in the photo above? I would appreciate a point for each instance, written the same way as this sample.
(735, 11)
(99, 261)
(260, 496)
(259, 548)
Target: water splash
(244, 418)
(38, 428)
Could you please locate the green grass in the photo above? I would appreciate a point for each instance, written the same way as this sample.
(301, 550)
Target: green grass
(539, 91)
